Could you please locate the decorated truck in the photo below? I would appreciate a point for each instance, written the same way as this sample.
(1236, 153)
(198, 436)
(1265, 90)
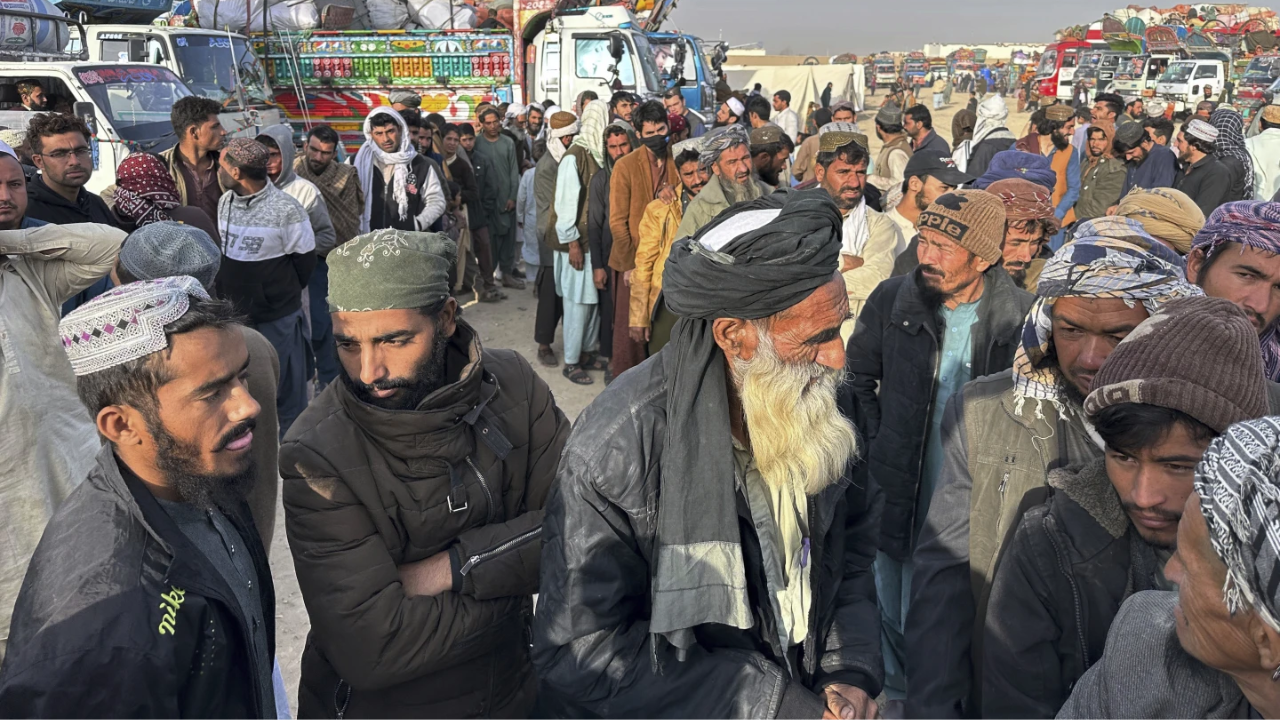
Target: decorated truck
(886, 70)
(915, 69)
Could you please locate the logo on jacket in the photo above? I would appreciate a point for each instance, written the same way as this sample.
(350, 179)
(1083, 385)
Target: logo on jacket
(171, 601)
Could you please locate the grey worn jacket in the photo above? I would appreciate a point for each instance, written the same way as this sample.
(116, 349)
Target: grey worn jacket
(1145, 673)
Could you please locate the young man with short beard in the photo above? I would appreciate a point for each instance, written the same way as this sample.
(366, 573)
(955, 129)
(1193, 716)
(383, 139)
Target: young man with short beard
(1108, 529)
(919, 339)
(617, 143)
(647, 521)
(150, 579)
(1203, 177)
(60, 148)
(1088, 299)
(1149, 164)
(767, 158)
(928, 176)
(1052, 139)
(1028, 210)
(413, 496)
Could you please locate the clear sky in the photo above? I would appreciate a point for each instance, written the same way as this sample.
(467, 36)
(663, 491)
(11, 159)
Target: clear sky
(831, 27)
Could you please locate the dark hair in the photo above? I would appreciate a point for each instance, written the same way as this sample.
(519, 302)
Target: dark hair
(620, 96)
(921, 114)
(759, 106)
(268, 141)
(1114, 102)
(651, 112)
(1094, 128)
(673, 93)
(1162, 126)
(756, 87)
(465, 129)
(454, 188)
(852, 153)
(821, 117)
(190, 111)
(1203, 146)
(1084, 113)
(769, 149)
(1046, 226)
(437, 120)
(45, 125)
(784, 96)
(324, 134)
(1131, 427)
(382, 120)
(1045, 126)
(788, 143)
(483, 113)
(1268, 125)
(587, 96)
(135, 383)
(1211, 105)
(412, 118)
(888, 128)
(686, 156)
(611, 130)
(450, 128)
(535, 107)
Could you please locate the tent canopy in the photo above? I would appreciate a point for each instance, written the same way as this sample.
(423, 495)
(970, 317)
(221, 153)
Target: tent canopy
(804, 82)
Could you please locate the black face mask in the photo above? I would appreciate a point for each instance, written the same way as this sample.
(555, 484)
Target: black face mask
(657, 144)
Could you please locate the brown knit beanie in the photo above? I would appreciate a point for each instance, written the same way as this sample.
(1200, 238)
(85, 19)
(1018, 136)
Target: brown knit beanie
(972, 219)
(1197, 355)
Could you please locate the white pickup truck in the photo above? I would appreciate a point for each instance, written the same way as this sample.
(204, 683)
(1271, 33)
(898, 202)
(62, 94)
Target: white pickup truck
(1185, 83)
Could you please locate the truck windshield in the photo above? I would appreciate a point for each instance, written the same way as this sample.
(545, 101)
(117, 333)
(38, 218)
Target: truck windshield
(137, 100)
(1048, 64)
(214, 65)
(645, 52)
(1178, 72)
(916, 67)
(1263, 68)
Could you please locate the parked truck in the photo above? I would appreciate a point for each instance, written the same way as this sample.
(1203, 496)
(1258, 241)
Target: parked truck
(682, 64)
(886, 70)
(915, 70)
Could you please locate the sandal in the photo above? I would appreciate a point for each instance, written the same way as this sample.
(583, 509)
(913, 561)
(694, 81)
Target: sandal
(593, 361)
(577, 375)
(547, 357)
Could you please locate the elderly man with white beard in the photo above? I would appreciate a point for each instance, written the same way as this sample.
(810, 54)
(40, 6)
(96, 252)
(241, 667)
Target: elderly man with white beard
(707, 548)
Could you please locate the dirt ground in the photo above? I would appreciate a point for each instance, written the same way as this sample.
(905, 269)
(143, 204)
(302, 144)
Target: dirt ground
(507, 324)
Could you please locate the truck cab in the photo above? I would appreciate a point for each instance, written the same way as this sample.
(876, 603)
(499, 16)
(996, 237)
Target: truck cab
(215, 64)
(681, 64)
(1185, 81)
(594, 48)
(1259, 76)
(915, 70)
(1056, 72)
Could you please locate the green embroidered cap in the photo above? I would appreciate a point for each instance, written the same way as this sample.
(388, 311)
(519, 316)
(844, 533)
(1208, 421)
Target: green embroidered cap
(390, 270)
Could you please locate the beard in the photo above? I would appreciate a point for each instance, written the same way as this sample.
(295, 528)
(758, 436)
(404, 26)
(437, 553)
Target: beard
(179, 462)
(736, 192)
(930, 295)
(428, 376)
(1060, 141)
(770, 176)
(799, 438)
(921, 203)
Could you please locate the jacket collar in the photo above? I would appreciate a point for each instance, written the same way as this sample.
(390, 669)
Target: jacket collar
(437, 430)
(46, 194)
(247, 201)
(1091, 489)
(912, 313)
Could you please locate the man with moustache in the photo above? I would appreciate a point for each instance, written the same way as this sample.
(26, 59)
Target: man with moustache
(726, 152)
(1028, 209)
(1203, 177)
(927, 177)
(1150, 164)
(1052, 139)
(149, 594)
(768, 155)
(1108, 529)
(413, 495)
(60, 148)
(1091, 294)
(919, 339)
(669, 587)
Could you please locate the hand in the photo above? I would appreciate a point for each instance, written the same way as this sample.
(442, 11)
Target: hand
(1112, 210)
(626, 278)
(850, 262)
(667, 194)
(576, 258)
(639, 334)
(511, 205)
(429, 577)
(600, 276)
(849, 703)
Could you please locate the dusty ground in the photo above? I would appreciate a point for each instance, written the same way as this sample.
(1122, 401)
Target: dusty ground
(508, 324)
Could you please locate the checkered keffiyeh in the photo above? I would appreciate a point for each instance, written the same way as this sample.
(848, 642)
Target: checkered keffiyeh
(1255, 224)
(1111, 257)
(126, 323)
(1237, 482)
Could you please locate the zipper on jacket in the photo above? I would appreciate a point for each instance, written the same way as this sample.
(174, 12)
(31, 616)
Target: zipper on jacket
(340, 706)
(484, 485)
(1075, 591)
(491, 553)
(928, 411)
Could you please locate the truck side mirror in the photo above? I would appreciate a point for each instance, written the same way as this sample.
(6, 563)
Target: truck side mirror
(89, 113)
(616, 48)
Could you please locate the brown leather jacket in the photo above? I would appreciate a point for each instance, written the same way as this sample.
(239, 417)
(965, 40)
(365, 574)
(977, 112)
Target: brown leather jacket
(366, 490)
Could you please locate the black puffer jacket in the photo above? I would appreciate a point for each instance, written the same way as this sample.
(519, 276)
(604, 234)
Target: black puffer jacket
(592, 644)
(1071, 563)
(121, 616)
(895, 349)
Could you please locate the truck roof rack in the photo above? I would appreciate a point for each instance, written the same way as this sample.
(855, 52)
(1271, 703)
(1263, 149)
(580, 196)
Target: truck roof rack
(23, 54)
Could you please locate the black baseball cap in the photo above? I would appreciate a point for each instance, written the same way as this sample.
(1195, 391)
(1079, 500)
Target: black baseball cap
(936, 165)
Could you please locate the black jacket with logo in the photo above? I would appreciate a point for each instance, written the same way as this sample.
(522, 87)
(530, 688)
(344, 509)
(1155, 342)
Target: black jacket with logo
(121, 616)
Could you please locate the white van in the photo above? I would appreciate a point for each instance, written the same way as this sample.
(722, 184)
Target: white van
(1184, 83)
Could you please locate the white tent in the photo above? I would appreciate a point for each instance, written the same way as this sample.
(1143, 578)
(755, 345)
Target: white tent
(804, 82)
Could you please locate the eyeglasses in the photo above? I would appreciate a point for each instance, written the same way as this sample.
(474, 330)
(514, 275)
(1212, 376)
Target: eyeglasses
(80, 152)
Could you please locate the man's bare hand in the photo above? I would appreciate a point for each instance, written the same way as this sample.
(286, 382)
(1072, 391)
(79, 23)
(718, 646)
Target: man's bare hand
(639, 334)
(576, 257)
(430, 577)
(667, 194)
(600, 276)
(847, 702)
(626, 278)
(511, 205)
(850, 262)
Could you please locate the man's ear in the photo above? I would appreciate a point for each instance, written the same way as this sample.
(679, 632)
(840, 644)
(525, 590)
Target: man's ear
(1195, 262)
(448, 321)
(122, 425)
(736, 338)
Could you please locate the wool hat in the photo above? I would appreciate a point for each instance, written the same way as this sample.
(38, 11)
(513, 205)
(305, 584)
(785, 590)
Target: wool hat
(890, 114)
(1131, 134)
(972, 219)
(247, 153)
(1271, 113)
(1198, 128)
(125, 323)
(1196, 355)
(167, 248)
(1059, 112)
(390, 270)
(406, 97)
(766, 135)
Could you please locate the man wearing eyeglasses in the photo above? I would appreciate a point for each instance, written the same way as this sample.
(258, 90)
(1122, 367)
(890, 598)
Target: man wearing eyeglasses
(60, 149)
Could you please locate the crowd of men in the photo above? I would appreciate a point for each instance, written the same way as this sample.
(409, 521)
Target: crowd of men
(952, 429)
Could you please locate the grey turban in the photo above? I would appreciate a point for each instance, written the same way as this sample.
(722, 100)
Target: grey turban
(719, 140)
(1238, 482)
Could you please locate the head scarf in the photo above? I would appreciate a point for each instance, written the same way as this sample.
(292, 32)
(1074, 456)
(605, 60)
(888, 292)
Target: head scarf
(992, 115)
(752, 270)
(1110, 258)
(562, 125)
(1230, 142)
(365, 162)
(1024, 200)
(1256, 224)
(1240, 500)
(1011, 163)
(719, 140)
(1108, 129)
(1166, 214)
(595, 118)
(390, 270)
(962, 126)
(632, 143)
(676, 124)
(145, 191)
